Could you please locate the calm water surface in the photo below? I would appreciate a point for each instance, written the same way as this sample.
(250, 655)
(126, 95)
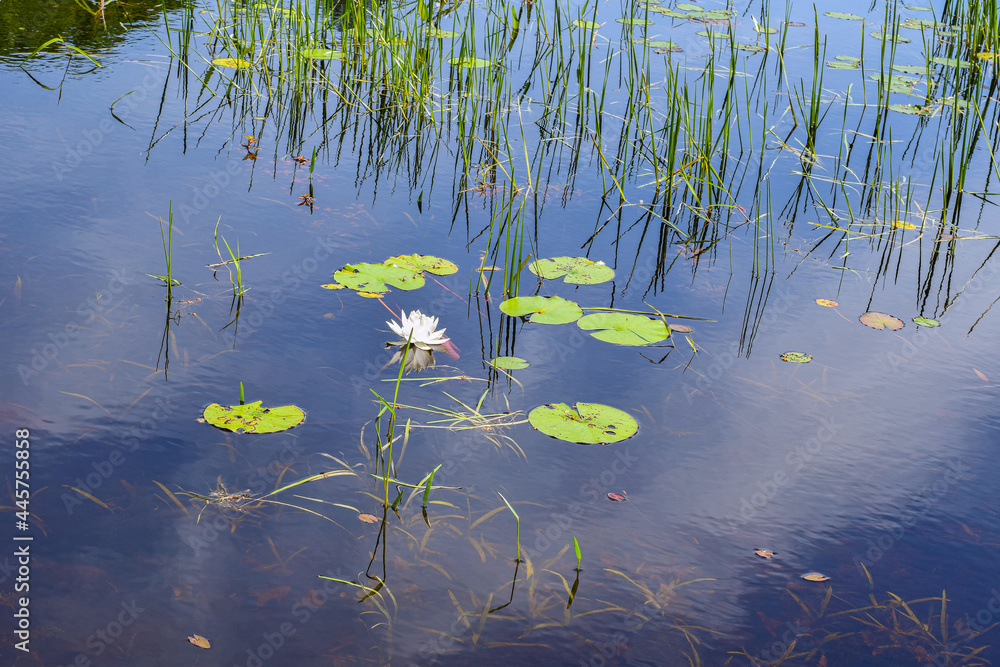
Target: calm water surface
(879, 456)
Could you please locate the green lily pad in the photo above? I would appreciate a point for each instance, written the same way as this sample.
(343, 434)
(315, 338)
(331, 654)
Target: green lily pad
(797, 357)
(545, 309)
(952, 101)
(589, 25)
(712, 34)
(322, 54)
(428, 263)
(926, 322)
(469, 61)
(887, 37)
(951, 62)
(918, 9)
(921, 24)
(442, 34)
(689, 7)
(910, 69)
(584, 423)
(510, 363)
(234, 63)
(669, 12)
(635, 21)
(663, 45)
(624, 328)
(717, 15)
(752, 48)
(848, 59)
(912, 109)
(765, 30)
(365, 277)
(840, 64)
(844, 15)
(252, 418)
(573, 270)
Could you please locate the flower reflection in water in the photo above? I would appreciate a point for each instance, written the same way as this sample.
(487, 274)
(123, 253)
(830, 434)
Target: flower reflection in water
(424, 339)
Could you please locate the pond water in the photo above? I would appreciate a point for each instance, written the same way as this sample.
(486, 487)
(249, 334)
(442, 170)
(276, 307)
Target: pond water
(730, 186)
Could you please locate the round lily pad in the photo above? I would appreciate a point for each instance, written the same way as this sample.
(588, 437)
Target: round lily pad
(584, 423)
(574, 270)
(844, 15)
(442, 34)
(510, 363)
(880, 321)
(827, 303)
(252, 418)
(635, 21)
(752, 48)
(839, 64)
(234, 63)
(624, 328)
(926, 322)
(689, 7)
(912, 109)
(428, 263)
(544, 309)
(469, 61)
(663, 44)
(590, 25)
(322, 54)
(888, 37)
(797, 357)
(365, 277)
(951, 62)
(712, 34)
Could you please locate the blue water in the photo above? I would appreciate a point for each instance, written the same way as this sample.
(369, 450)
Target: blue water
(875, 457)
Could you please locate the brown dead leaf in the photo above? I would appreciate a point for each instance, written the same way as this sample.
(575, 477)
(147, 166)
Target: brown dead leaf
(815, 576)
(276, 593)
(369, 518)
(199, 641)
(981, 375)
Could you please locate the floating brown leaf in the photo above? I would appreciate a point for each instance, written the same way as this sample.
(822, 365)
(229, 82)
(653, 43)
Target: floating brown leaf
(368, 518)
(815, 576)
(616, 496)
(981, 375)
(827, 303)
(199, 641)
(680, 328)
(764, 553)
(877, 320)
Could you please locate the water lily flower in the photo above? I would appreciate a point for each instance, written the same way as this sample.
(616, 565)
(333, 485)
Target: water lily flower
(420, 340)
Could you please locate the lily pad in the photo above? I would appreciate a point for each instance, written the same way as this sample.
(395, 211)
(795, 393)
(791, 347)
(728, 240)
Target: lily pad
(635, 21)
(322, 54)
(442, 34)
(880, 321)
(839, 64)
(544, 309)
(844, 15)
(252, 418)
(573, 270)
(951, 62)
(469, 61)
(510, 363)
(910, 69)
(926, 322)
(815, 576)
(797, 357)
(912, 109)
(689, 7)
(428, 263)
(888, 37)
(624, 328)
(712, 34)
(234, 63)
(752, 48)
(377, 278)
(827, 303)
(902, 224)
(589, 25)
(584, 423)
(663, 45)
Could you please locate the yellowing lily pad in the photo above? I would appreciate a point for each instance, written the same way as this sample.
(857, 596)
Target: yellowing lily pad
(428, 263)
(376, 278)
(252, 418)
(322, 54)
(880, 321)
(510, 363)
(903, 224)
(543, 309)
(815, 576)
(234, 63)
(199, 641)
(624, 328)
(926, 322)
(584, 423)
(827, 303)
(574, 270)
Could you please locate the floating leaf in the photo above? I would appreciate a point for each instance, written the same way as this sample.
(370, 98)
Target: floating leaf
(886, 37)
(663, 45)
(752, 48)
(712, 34)
(841, 65)
(322, 54)
(680, 328)
(917, 9)
(848, 59)
(428, 263)
(689, 7)
(986, 55)
(369, 518)
(765, 30)
(584, 423)
(926, 322)
(635, 21)
(982, 376)
(624, 328)
(546, 309)
(365, 277)
(827, 303)
(844, 15)
(252, 418)
(442, 34)
(510, 363)
(902, 224)
(815, 576)
(573, 270)
(234, 63)
(880, 321)
(669, 12)
(199, 641)
(333, 286)
(950, 101)
(589, 25)
(469, 61)
(910, 69)
(764, 553)
(617, 497)
(797, 357)
(912, 109)
(951, 62)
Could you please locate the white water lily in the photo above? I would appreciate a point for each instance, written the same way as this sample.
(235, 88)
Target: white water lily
(424, 339)
(420, 330)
